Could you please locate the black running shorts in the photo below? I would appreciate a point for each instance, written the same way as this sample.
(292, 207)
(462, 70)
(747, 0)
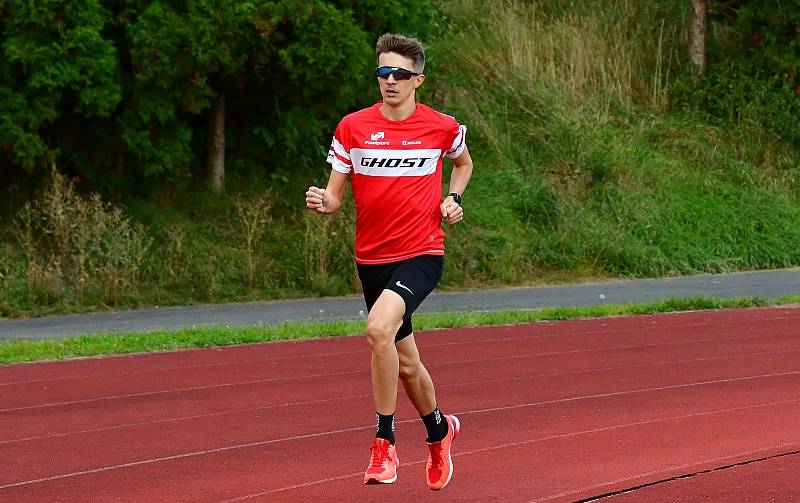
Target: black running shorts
(412, 279)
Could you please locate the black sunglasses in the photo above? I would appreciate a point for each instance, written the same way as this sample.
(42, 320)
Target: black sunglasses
(399, 73)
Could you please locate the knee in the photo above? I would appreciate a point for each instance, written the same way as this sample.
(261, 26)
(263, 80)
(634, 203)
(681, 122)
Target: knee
(379, 335)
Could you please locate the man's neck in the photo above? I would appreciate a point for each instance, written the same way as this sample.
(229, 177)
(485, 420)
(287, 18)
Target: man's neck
(399, 112)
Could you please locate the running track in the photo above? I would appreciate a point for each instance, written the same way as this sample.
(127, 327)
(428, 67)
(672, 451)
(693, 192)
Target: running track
(674, 407)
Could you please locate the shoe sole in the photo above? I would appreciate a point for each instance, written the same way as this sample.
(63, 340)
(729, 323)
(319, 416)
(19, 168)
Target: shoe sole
(373, 481)
(456, 430)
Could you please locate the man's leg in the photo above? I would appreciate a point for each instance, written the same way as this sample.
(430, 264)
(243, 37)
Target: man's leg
(415, 377)
(419, 388)
(384, 319)
(410, 282)
(442, 430)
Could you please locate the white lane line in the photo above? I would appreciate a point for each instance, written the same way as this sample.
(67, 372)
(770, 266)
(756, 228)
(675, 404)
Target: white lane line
(173, 368)
(182, 418)
(629, 392)
(668, 470)
(450, 385)
(300, 486)
(305, 357)
(592, 333)
(180, 456)
(334, 374)
(588, 350)
(371, 426)
(354, 352)
(538, 440)
(180, 390)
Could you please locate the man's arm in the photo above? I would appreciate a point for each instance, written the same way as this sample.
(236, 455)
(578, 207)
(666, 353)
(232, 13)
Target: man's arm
(329, 199)
(462, 171)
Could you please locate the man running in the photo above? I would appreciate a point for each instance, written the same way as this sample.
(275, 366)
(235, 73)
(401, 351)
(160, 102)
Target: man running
(392, 155)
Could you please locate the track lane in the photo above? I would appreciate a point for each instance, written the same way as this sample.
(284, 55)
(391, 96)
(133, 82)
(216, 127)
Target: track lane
(121, 446)
(215, 399)
(265, 352)
(547, 450)
(37, 394)
(751, 342)
(762, 480)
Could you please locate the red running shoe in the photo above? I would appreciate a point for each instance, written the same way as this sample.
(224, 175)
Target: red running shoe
(383, 463)
(440, 465)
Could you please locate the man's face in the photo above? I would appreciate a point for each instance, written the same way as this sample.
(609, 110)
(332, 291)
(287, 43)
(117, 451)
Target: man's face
(395, 91)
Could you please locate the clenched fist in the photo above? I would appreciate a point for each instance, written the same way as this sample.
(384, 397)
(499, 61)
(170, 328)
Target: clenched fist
(321, 201)
(452, 211)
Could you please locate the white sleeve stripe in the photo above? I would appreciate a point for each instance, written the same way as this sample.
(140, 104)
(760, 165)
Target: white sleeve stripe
(458, 143)
(338, 165)
(459, 138)
(344, 161)
(339, 149)
(453, 154)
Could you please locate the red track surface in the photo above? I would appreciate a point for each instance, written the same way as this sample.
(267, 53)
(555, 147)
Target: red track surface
(550, 412)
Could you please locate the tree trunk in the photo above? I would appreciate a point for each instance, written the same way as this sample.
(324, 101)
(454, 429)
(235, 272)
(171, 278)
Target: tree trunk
(216, 145)
(697, 37)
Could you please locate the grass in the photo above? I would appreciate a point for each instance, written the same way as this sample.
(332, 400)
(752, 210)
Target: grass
(582, 165)
(583, 169)
(111, 344)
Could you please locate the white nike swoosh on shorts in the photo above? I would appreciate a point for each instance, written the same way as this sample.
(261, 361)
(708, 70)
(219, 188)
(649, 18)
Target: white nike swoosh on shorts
(404, 287)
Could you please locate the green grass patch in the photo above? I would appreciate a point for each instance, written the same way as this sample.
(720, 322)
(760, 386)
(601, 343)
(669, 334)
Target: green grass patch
(586, 166)
(144, 342)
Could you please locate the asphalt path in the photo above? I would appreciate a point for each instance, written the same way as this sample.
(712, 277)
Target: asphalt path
(764, 283)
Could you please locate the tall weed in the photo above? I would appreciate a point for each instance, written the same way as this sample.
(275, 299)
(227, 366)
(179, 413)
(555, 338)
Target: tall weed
(252, 217)
(77, 246)
(552, 58)
(328, 253)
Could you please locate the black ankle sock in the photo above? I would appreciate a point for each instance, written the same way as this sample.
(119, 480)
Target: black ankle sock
(436, 425)
(385, 427)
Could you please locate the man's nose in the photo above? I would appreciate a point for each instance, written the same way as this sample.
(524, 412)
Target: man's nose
(391, 79)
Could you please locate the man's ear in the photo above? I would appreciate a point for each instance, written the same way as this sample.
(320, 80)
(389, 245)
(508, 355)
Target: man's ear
(420, 79)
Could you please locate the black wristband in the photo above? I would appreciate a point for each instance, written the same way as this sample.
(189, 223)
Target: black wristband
(456, 197)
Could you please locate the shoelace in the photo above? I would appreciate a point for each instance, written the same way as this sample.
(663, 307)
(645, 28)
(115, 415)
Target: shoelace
(379, 455)
(436, 454)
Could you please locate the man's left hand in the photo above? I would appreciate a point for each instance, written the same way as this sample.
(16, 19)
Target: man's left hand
(451, 211)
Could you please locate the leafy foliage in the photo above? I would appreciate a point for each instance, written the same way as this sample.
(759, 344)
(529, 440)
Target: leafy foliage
(581, 168)
(752, 80)
(54, 57)
(125, 86)
(772, 29)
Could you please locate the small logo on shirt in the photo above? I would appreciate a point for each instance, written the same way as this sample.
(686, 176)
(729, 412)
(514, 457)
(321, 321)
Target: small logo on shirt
(438, 415)
(404, 287)
(375, 139)
(412, 142)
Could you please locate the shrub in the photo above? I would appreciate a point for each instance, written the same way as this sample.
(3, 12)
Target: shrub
(78, 246)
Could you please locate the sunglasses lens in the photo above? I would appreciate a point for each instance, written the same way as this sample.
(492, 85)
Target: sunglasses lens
(399, 73)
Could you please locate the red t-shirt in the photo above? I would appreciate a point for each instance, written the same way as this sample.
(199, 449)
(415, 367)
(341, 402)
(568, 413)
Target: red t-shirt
(396, 175)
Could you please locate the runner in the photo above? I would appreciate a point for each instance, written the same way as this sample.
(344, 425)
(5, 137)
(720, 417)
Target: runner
(391, 153)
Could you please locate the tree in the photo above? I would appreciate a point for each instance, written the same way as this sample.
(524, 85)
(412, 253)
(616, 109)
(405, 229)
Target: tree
(215, 163)
(132, 93)
(184, 59)
(55, 65)
(697, 37)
